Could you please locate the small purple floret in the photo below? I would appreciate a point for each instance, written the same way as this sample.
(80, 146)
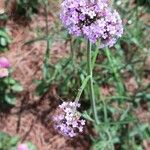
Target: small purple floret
(67, 120)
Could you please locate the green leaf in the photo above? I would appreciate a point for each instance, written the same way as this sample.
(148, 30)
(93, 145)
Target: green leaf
(31, 146)
(17, 87)
(3, 135)
(86, 116)
(42, 87)
(4, 34)
(14, 140)
(3, 42)
(147, 96)
(10, 81)
(10, 99)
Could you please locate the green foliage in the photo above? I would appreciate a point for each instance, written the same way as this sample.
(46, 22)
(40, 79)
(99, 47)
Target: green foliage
(8, 142)
(5, 39)
(27, 8)
(131, 138)
(8, 89)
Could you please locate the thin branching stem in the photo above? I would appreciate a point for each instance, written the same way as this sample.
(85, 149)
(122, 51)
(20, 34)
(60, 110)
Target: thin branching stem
(91, 88)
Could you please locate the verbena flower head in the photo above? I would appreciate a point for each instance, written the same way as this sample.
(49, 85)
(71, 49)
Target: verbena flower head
(22, 147)
(4, 65)
(93, 19)
(67, 120)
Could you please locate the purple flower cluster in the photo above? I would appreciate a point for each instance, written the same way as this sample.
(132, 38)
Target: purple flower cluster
(4, 65)
(93, 19)
(67, 119)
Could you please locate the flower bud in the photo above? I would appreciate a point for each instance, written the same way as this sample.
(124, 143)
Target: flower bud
(4, 63)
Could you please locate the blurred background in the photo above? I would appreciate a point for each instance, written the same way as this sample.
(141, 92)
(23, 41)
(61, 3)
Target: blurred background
(122, 85)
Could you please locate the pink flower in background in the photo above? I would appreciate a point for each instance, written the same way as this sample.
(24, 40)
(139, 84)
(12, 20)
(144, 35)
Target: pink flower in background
(4, 63)
(22, 147)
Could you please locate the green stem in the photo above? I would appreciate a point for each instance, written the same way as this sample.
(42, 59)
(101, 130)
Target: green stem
(82, 88)
(91, 88)
(72, 51)
(47, 53)
(71, 47)
(105, 111)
